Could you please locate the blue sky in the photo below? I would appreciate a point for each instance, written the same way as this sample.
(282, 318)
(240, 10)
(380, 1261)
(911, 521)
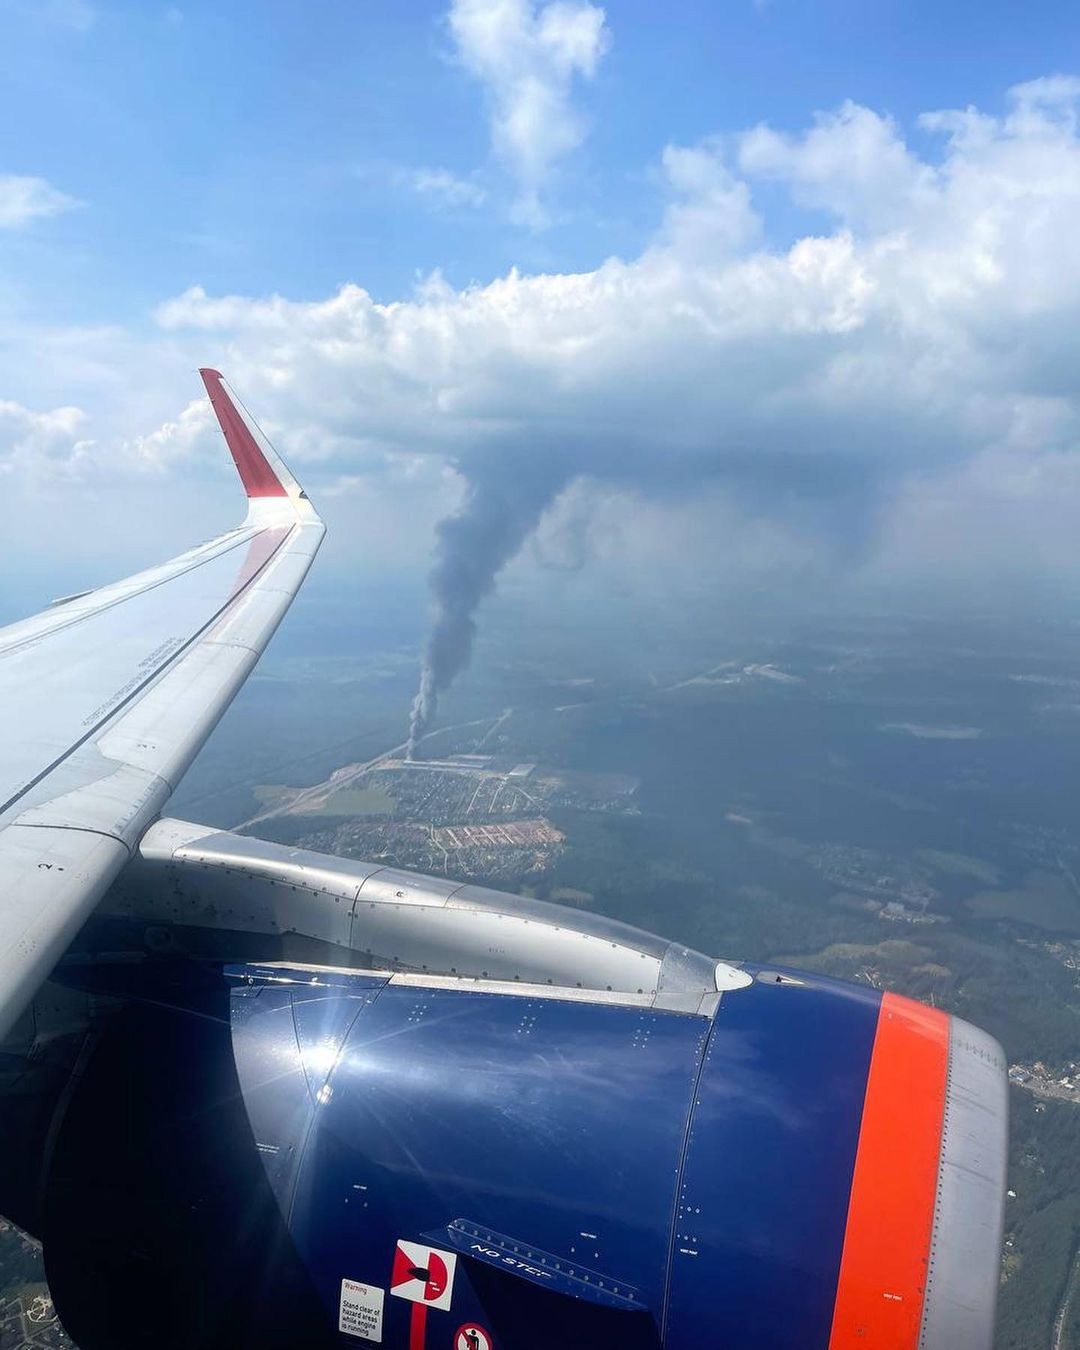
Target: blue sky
(778, 293)
(258, 147)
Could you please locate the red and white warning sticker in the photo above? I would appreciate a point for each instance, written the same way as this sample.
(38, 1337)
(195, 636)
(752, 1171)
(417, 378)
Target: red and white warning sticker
(423, 1274)
(360, 1311)
(472, 1337)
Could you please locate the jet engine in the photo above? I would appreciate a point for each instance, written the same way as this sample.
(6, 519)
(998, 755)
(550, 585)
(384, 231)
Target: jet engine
(485, 1123)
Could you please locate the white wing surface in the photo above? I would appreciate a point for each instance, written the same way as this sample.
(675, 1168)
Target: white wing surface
(107, 697)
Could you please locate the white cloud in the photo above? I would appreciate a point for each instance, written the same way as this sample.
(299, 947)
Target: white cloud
(54, 446)
(527, 58)
(176, 440)
(902, 384)
(443, 187)
(710, 211)
(23, 199)
(40, 443)
(851, 163)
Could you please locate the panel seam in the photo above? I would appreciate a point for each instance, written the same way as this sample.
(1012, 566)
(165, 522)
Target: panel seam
(680, 1172)
(76, 619)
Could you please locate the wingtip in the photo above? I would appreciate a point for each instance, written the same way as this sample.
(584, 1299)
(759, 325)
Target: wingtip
(260, 476)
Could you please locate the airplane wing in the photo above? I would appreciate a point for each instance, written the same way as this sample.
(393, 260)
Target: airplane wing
(108, 696)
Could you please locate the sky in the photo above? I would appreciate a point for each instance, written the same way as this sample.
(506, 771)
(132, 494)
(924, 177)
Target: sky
(782, 295)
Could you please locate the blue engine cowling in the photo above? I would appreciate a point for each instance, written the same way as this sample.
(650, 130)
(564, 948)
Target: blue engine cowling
(614, 1174)
(310, 1156)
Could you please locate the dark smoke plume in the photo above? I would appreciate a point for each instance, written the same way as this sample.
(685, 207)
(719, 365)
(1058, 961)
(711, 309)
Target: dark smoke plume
(505, 498)
(827, 493)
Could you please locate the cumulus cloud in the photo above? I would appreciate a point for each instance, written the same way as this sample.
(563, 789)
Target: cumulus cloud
(175, 440)
(710, 213)
(53, 446)
(23, 199)
(934, 314)
(527, 58)
(31, 441)
(852, 163)
(922, 327)
(899, 387)
(893, 390)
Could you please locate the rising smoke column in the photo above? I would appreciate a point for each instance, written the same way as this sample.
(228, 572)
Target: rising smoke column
(505, 497)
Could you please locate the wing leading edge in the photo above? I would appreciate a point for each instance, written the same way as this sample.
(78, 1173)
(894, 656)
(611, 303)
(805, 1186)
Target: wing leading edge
(108, 698)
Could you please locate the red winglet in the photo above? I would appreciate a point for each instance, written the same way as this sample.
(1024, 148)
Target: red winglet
(256, 474)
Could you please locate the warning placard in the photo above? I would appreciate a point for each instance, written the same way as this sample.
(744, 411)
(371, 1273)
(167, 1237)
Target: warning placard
(472, 1337)
(423, 1274)
(361, 1309)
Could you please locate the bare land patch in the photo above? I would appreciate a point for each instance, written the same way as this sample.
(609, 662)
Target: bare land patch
(1045, 900)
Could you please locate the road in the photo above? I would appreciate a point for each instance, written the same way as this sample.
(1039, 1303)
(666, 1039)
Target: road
(305, 799)
(1057, 1336)
(506, 712)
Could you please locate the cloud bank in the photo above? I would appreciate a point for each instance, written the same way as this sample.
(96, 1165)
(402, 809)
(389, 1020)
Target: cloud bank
(892, 386)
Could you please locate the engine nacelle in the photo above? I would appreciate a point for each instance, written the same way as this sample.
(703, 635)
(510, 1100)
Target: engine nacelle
(284, 1155)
